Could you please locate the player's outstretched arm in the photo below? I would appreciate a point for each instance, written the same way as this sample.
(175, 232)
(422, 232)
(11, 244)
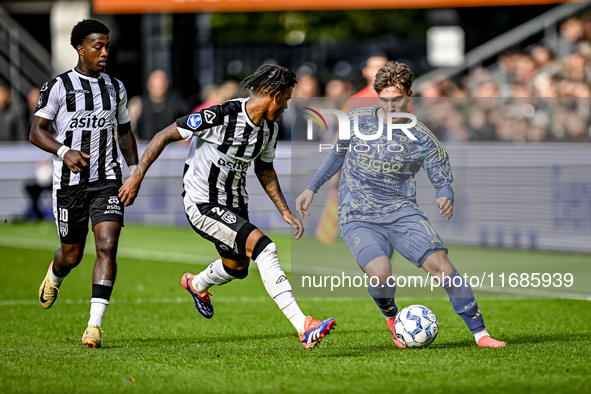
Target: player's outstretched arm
(268, 179)
(329, 167)
(40, 137)
(303, 202)
(128, 192)
(127, 144)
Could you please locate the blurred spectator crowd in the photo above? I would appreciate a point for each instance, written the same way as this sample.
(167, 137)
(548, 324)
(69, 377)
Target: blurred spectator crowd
(539, 94)
(542, 93)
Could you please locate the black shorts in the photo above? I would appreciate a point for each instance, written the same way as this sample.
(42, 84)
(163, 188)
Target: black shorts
(228, 228)
(73, 205)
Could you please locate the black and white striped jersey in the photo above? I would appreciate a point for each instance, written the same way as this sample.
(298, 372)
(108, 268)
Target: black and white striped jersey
(85, 112)
(226, 142)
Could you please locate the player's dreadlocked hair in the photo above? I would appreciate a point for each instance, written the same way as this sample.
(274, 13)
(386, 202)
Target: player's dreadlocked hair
(270, 79)
(85, 28)
(393, 74)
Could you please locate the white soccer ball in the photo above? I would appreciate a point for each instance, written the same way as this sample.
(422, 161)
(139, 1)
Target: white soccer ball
(416, 326)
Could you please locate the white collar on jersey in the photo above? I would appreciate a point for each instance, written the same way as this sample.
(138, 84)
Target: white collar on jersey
(100, 76)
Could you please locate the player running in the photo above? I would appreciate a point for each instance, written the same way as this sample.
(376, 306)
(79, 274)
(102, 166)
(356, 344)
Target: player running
(377, 201)
(225, 140)
(87, 108)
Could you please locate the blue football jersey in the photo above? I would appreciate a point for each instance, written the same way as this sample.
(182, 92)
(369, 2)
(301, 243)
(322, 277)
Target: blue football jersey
(378, 176)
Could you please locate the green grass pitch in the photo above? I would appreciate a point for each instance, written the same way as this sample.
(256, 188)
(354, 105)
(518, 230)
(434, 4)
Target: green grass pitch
(155, 341)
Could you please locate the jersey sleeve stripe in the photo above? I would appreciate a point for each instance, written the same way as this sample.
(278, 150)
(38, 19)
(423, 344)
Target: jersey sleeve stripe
(440, 149)
(430, 133)
(117, 87)
(231, 106)
(259, 147)
(115, 83)
(422, 128)
(275, 135)
(88, 96)
(70, 96)
(105, 94)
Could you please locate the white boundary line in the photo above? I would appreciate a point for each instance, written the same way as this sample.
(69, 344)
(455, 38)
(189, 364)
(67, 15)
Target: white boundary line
(186, 300)
(196, 259)
(130, 253)
(533, 293)
(136, 301)
(140, 254)
(176, 300)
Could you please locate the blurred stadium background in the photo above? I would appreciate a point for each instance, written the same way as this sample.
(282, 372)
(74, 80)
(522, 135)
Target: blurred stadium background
(505, 85)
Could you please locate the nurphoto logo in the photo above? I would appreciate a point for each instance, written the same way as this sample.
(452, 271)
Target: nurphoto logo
(344, 125)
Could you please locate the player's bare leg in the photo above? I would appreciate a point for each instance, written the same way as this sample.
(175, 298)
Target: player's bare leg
(264, 252)
(218, 273)
(461, 296)
(106, 235)
(64, 259)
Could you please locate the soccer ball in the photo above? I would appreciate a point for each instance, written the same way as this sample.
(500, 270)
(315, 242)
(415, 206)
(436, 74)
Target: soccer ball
(416, 326)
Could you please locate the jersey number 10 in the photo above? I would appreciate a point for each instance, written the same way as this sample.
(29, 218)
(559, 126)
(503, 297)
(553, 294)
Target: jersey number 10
(63, 214)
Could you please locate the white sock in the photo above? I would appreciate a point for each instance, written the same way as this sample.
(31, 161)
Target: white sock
(481, 334)
(215, 274)
(278, 286)
(98, 306)
(55, 279)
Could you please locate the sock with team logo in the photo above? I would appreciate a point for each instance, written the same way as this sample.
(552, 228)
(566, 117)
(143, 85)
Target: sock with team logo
(463, 301)
(216, 274)
(276, 283)
(383, 296)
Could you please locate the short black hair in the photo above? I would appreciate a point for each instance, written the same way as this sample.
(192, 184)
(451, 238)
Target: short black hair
(270, 79)
(85, 28)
